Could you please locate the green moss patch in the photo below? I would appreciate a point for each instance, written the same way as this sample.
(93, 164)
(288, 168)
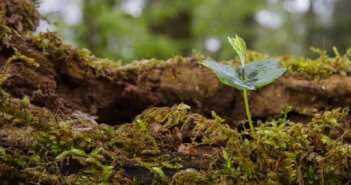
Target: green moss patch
(171, 145)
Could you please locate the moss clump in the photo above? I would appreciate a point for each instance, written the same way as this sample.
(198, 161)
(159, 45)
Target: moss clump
(171, 146)
(189, 177)
(80, 63)
(19, 15)
(286, 152)
(322, 67)
(278, 152)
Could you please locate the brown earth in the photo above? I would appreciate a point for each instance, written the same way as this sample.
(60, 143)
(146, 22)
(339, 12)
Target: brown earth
(65, 82)
(68, 80)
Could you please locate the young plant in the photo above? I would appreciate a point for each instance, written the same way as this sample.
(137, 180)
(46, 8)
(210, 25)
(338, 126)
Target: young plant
(250, 76)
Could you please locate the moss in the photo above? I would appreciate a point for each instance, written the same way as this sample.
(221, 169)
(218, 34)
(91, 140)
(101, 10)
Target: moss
(322, 67)
(189, 177)
(18, 56)
(80, 63)
(159, 175)
(136, 141)
(19, 15)
(279, 152)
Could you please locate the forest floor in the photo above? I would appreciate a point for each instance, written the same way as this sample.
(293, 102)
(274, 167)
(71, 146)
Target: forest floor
(68, 117)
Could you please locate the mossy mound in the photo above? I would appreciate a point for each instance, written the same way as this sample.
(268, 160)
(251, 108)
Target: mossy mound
(19, 15)
(66, 79)
(170, 146)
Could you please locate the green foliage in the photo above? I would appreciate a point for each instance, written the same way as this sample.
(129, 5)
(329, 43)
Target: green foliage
(256, 74)
(163, 28)
(262, 73)
(249, 77)
(279, 152)
(239, 46)
(228, 75)
(302, 154)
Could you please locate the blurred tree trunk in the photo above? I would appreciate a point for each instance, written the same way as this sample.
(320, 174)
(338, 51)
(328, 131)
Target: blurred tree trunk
(336, 33)
(91, 35)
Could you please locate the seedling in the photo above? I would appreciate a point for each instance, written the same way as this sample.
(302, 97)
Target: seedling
(250, 76)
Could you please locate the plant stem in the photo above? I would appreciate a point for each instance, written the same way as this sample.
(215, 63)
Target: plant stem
(246, 101)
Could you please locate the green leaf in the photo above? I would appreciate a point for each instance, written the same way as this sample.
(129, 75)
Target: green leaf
(256, 74)
(228, 75)
(262, 73)
(239, 46)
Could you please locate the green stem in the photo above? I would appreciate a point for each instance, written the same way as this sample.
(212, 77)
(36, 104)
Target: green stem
(246, 101)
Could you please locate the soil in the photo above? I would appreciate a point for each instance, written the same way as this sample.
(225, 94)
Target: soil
(121, 93)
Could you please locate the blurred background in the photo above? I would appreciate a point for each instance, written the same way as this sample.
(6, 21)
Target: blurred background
(137, 29)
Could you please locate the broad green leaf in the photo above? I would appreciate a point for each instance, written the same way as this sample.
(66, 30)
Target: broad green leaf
(256, 74)
(262, 73)
(228, 75)
(239, 46)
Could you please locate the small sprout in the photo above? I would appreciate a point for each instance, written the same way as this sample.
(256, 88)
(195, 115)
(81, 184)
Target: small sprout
(249, 76)
(239, 46)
